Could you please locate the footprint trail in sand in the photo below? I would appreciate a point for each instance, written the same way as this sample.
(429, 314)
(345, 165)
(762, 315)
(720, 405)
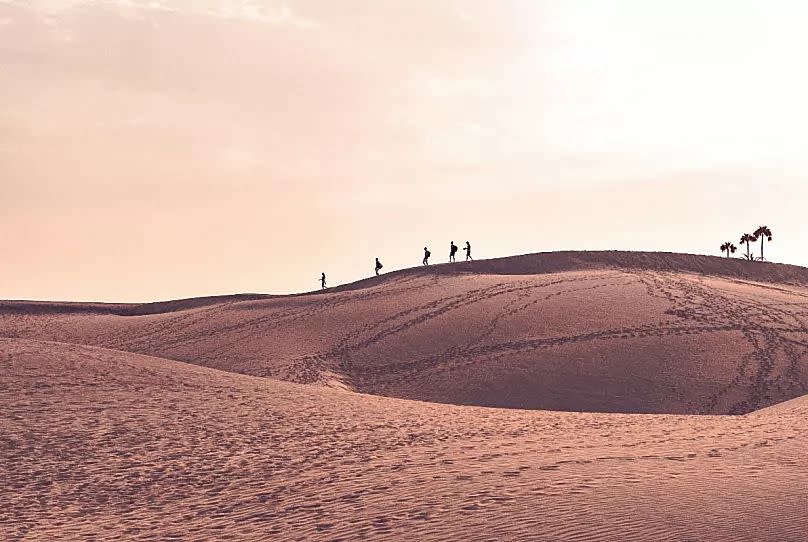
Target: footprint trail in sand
(291, 418)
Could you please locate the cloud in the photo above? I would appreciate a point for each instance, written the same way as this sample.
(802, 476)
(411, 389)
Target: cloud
(270, 12)
(279, 15)
(237, 159)
(449, 87)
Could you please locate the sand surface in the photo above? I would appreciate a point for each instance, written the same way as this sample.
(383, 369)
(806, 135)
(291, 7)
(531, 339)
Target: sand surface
(101, 442)
(610, 337)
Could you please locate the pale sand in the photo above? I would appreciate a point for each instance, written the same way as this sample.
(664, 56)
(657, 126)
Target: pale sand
(608, 337)
(105, 444)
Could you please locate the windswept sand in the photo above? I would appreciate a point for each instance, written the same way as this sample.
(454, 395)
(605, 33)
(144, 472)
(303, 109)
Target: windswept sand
(106, 444)
(603, 333)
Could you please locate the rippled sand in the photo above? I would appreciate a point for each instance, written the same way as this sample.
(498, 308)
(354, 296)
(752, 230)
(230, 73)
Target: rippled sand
(107, 444)
(104, 445)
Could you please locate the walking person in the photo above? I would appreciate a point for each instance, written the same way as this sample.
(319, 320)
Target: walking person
(452, 251)
(322, 281)
(427, 254)
(468, 251)
(378, 266)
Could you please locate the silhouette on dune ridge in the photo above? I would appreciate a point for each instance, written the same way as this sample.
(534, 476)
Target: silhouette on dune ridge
(603, 331)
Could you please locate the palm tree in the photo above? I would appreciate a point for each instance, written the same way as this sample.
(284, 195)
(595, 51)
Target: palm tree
(748, 238)
(728, 247)
(763, 233)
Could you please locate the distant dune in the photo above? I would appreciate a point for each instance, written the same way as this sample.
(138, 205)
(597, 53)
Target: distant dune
(575, 331)
(132, 422)
(555, 262)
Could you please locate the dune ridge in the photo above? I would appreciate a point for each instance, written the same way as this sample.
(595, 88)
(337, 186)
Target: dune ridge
(121, 309)
(574, 260)
(370, 410)
(600, 332)
(525, 264)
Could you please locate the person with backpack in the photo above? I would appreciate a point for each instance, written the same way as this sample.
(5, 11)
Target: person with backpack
(452, 251)
(468, 251)
(427, 254)
(322, 281)
(378, 266)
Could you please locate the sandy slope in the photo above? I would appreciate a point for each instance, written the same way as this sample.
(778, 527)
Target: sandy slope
(100, 442)
(103, 445)
(607, 332)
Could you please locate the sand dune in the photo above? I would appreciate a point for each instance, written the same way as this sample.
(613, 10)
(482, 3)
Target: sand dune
(133, 422)
(603, 332)
(104, 445)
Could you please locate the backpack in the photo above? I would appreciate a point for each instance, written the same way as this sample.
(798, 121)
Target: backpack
(427, 254)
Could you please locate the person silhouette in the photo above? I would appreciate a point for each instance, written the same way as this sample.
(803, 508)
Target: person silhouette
(378, 266)
(322, 281)
(468, 251)
(427, 254)
(452, 251)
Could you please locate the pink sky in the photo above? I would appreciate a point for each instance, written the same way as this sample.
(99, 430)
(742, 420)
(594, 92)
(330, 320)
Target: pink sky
(153, 150)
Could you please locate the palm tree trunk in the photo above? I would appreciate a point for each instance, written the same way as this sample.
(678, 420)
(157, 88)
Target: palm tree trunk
(761, 248)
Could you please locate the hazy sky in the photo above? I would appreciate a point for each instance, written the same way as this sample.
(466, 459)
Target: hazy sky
(163, 149)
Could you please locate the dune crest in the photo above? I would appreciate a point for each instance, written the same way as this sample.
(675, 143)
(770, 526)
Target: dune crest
(132, 421)
(599, 332)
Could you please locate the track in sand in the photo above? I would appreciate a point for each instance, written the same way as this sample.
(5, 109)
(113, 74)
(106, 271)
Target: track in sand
(101, 442)
(604, 332)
